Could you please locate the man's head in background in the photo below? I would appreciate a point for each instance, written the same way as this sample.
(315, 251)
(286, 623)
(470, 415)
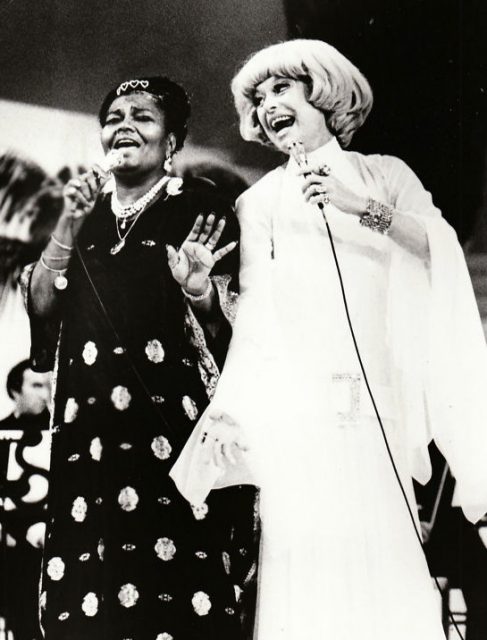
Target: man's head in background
(29, 390)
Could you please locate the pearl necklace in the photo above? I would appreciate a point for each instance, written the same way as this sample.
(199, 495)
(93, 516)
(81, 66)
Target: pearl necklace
(129, 211)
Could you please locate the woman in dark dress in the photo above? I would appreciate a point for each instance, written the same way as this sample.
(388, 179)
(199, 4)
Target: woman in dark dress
(125, 284)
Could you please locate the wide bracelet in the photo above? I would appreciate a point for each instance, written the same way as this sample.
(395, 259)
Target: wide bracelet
(377, 216)
(206, 293)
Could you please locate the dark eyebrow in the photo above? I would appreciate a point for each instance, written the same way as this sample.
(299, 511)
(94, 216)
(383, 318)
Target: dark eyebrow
(139, 109)
(114, 112)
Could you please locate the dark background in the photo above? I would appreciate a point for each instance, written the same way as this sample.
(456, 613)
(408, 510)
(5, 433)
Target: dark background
(426, 61)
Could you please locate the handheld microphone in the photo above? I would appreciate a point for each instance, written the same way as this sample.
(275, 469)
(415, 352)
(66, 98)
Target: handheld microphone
(298, 153)
(112, 160)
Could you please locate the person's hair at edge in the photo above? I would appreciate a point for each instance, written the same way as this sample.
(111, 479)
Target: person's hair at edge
(336, 87)
(170, 97)
(15, 378)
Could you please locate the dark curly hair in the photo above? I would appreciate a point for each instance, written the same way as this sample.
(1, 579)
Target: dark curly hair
(171, 98)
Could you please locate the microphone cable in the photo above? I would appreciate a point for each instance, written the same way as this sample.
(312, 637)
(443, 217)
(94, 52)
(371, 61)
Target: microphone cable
(297, 151)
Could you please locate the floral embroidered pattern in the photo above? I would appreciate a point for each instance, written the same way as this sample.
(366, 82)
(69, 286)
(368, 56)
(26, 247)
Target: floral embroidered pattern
(84, 557)
(128, 595)
(128, 499)
(226, 562)
(55, 568)
(157, 399)
(128, 547)
(154, 351)
(95, 449)
(165, 549)
(125, 446)
(63, 616)
(90, 353)
(165, 597)
(161, 447)
(79, 509)
(74, 457)
(190, 407)
(101, 549)
(70, 410)
(201, 603)
(118, 351)
(164, 636)
(207, 366)
(90, 604)
(164, 500)
(200, 511)
(121, 398)
(228, 299)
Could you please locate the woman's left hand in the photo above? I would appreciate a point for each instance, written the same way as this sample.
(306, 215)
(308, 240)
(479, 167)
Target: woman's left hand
(192, 264)
(222, 440)
(320, 185)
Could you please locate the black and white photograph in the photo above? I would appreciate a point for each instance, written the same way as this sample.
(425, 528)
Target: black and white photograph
(243, 319)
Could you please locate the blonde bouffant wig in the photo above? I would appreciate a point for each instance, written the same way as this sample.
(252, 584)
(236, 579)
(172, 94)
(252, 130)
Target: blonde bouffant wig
(335, 86)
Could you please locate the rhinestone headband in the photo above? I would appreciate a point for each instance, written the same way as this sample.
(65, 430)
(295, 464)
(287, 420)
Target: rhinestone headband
(132, 84)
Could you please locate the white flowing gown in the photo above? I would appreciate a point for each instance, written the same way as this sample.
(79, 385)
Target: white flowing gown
(340, 557)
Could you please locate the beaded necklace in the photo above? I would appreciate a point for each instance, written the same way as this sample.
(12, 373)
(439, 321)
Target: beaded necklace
(123, 214)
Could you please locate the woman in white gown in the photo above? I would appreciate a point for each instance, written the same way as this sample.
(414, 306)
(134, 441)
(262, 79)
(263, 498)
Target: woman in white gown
(341, 559)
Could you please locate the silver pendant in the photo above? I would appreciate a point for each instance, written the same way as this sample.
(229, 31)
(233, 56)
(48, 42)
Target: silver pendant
(60, 282)
(118, 247)
(123, 224)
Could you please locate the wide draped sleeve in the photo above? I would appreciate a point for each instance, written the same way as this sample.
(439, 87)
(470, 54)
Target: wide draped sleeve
(440, 346)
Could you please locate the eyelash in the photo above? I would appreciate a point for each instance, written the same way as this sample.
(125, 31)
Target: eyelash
(278, 88)
(115, 119)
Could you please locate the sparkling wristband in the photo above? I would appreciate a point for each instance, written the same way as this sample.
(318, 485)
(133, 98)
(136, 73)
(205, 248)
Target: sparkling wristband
(377, 216)
(206, 293)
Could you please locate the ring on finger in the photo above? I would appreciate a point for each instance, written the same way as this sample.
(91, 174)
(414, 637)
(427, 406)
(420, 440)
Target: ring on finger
(324, 170)
(326, 199)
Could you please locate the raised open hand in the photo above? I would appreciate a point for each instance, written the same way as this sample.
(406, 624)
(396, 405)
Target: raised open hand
(192, 264)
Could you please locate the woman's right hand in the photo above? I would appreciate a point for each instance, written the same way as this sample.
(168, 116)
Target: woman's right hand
(222, 438)
(79, 195)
